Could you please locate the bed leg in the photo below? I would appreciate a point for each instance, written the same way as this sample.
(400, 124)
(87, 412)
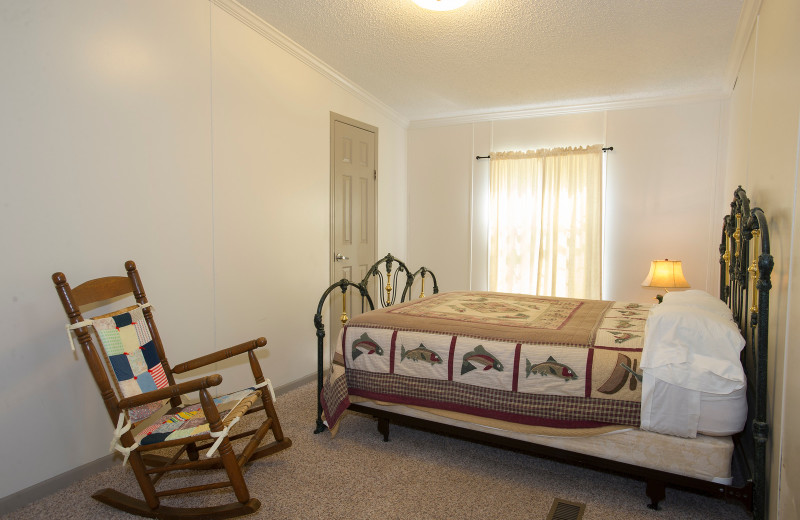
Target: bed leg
(656, 492)
(383, 428)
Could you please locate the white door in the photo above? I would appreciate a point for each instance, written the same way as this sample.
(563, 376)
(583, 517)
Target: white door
(353, 179)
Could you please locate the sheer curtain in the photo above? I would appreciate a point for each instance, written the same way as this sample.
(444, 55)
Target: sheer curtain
(545, 222)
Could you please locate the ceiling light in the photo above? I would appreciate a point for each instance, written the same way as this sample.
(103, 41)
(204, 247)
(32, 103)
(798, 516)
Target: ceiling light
(440, 5)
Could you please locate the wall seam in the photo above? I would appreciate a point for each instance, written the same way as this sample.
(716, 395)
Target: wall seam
(604, 207)
(472, 206)
(211, 157)
(714, 210)
(786, 346)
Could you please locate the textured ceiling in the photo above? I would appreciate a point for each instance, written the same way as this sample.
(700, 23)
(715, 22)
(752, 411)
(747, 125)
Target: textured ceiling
(494, 55)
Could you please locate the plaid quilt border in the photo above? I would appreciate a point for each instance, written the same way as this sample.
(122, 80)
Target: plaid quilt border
(555, 411)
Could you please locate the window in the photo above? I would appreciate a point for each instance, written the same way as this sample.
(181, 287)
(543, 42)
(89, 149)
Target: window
(545, 222)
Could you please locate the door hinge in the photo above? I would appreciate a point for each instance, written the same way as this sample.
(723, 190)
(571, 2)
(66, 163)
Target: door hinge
(375, 174)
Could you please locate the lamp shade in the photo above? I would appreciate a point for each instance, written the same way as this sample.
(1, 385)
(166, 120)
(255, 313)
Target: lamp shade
(666, 274)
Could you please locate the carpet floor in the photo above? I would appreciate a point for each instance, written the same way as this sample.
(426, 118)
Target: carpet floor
(416, 475)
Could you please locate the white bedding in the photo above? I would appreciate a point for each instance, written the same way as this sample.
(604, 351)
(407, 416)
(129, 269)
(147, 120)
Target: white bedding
(693, 381)
(671, 409)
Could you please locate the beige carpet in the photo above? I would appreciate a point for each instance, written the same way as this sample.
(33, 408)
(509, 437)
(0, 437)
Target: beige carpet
(416, 475)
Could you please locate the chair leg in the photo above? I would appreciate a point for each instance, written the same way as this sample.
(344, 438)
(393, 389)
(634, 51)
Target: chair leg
(226, 453)
(146, 485)
(234, 471)
(269, 408)
(192, 452)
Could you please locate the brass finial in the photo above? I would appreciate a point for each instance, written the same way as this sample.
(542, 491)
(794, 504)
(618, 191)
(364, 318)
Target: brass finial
(343, 318)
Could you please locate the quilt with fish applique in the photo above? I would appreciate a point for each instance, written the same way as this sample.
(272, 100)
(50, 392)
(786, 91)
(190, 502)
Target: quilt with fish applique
(535, 360)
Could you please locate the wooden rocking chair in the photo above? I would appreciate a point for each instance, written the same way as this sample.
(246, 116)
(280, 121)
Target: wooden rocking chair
(144, 403)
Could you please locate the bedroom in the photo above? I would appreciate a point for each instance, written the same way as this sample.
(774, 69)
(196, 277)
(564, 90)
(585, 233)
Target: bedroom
(210, 157)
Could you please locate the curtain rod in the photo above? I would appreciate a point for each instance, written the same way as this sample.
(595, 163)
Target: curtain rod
(608, 149)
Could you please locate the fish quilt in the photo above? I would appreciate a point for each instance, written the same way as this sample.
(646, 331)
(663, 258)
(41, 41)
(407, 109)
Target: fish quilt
(566, 363)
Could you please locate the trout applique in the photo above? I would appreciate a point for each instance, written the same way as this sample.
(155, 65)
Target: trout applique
(480, 358)
(365, 345)
(421, 353)
(551, 367)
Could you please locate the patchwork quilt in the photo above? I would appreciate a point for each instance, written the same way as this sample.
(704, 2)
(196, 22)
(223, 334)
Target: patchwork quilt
(535, 360)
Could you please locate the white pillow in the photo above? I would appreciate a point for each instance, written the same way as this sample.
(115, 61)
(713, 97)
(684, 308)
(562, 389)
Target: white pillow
(694, 348)
(698, 299)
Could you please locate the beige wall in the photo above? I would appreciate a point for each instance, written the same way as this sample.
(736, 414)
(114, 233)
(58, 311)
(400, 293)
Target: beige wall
(662, 177)
(763, 158)
(439, 180)
(178, 135)
(661, 180)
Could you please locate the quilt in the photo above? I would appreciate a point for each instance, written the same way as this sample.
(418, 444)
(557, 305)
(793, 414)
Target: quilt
(535, 360)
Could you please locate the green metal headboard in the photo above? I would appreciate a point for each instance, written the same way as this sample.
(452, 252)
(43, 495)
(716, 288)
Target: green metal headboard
(384, 271)
(745, 270)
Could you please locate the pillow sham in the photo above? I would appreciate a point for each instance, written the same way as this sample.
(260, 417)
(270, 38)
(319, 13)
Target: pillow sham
(692, 347)
(696, 298)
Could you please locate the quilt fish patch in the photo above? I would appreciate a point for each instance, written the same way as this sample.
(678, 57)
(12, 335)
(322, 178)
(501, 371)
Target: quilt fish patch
(421, 353)
(365, 345)
(551, 367)
(479, 357)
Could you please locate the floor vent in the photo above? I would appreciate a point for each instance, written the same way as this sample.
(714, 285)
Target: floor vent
(564, 510)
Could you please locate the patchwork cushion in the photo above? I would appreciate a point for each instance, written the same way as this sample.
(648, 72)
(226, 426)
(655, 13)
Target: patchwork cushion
(133, 358)
(189, 420)
(135, 364)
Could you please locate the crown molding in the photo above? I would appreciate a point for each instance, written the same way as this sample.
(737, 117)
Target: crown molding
(272, 34)
(744, 30)
(526, 113)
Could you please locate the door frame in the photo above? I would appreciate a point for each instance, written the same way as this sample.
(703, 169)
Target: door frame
(374, 129)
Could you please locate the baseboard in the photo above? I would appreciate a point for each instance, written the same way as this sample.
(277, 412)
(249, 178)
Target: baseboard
(47, 487)
(293, 385)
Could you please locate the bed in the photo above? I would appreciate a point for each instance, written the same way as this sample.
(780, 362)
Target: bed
(669, 393)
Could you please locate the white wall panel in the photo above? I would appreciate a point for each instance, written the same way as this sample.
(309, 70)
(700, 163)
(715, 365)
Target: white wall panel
(660, 190)
(271, 115)
(663, 170)
(773, 132)
(174, 134)
(439, 178)
(548, 132)
(271, 196)
(104, 140)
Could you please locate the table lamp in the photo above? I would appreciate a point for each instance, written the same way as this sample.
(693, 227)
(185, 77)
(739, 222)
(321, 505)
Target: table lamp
(665, 274)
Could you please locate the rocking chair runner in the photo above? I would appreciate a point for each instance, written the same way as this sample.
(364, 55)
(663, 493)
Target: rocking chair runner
(135, 381)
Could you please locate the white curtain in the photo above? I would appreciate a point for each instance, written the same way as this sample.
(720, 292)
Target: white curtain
(545, 222)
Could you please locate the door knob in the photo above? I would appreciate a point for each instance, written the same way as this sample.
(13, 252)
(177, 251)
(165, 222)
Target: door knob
(339, 257)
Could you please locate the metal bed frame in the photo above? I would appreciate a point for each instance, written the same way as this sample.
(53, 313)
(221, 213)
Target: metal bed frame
(745, 270)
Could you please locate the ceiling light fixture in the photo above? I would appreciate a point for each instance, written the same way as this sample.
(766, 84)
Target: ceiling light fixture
(440, 5)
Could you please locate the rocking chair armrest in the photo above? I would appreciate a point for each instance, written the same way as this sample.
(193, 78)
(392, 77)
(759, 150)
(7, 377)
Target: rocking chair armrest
(219, 355)
(170, 391)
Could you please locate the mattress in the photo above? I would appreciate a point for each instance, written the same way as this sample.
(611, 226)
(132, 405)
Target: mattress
(703, 457)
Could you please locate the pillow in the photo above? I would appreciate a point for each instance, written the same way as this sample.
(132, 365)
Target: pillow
(698, 299)
(694, 348)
